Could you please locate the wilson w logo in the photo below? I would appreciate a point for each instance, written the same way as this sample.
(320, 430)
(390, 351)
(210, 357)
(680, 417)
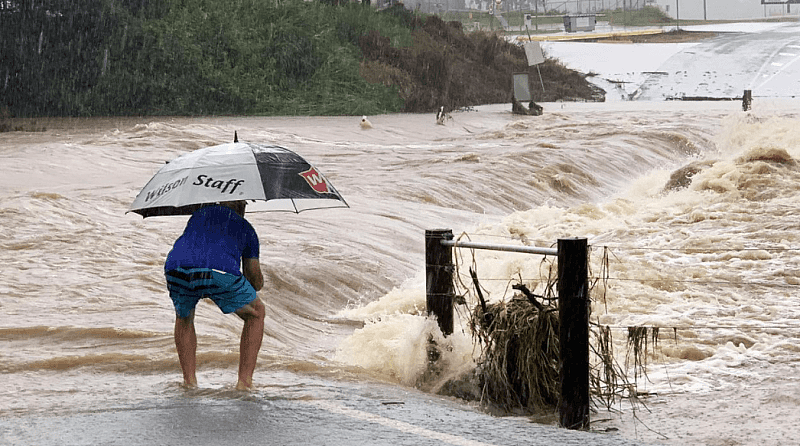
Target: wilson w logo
(316, 181)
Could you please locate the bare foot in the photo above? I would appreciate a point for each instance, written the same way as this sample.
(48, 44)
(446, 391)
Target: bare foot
(189, 385)
(241, 385)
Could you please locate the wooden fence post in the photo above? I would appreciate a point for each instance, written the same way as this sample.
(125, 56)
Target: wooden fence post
(573, 307)
(439, 278)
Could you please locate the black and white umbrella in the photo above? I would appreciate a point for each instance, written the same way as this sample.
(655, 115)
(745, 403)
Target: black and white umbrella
(276, 178)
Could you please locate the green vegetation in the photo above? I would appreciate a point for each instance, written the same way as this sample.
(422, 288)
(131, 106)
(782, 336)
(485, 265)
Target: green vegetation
(188, 57)
(250, 57)
(647, 16)
(488, 21)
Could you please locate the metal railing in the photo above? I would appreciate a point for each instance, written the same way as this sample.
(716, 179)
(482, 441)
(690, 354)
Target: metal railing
(509, 248)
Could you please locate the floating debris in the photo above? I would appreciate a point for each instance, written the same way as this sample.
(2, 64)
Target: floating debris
(518, 366)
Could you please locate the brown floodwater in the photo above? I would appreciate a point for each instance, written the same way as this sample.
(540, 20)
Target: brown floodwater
(87, 321)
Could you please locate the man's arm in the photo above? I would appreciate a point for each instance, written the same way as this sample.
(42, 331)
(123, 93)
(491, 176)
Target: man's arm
(251, 269)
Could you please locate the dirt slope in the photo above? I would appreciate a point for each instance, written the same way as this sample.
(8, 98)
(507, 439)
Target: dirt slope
(450, 68)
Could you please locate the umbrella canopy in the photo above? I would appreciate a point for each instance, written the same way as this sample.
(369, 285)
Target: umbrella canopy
(275, 177)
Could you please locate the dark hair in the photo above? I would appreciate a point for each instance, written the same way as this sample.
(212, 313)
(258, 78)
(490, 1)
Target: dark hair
(238, 206)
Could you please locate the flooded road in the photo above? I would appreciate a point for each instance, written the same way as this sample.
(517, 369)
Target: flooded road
(87, 329)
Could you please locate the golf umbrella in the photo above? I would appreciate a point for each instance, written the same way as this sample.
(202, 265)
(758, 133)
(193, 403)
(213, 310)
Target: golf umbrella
(276, 178)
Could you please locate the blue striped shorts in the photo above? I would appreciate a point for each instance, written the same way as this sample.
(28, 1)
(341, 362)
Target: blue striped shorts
(188, 285)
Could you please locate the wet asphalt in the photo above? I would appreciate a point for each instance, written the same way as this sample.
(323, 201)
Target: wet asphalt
(349, 415)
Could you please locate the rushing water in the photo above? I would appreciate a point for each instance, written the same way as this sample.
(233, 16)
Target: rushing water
(87, 320)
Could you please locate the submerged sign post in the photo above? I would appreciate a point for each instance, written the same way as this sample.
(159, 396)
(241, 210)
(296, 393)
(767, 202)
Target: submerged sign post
(533, 51)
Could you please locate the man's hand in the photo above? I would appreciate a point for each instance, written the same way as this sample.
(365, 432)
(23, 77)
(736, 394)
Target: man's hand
(251, 269)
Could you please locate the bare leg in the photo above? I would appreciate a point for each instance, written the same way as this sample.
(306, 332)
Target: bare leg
(186, 344)
(252, 333)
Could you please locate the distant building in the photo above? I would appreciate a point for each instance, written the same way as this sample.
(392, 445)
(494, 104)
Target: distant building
(722, 9)
(681, 9)
(559, 6)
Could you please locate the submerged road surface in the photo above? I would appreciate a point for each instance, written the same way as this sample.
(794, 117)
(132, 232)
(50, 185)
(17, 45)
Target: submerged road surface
(761, 59)
(360, 414)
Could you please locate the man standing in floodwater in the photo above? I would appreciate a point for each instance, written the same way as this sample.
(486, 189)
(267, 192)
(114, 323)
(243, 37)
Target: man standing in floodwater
(204, 263)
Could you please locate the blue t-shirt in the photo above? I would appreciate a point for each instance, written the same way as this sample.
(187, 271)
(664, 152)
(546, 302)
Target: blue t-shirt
(215, 237)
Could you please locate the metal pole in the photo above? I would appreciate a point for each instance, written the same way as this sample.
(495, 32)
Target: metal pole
(705, 11)
(624, 14)
(573, 310)
(511, 248)
(439, 278)
(540, 77)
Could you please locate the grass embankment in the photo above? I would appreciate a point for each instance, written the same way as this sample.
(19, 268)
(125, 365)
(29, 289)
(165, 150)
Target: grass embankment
(192, 57)
(450, 68)
(200, 57)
